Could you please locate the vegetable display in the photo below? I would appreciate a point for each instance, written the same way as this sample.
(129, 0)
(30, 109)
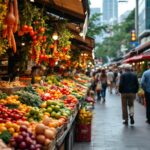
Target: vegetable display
(27, 122)
(29, 98)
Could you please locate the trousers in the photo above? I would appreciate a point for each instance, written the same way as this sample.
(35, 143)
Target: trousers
(127, 104)
(147, 98)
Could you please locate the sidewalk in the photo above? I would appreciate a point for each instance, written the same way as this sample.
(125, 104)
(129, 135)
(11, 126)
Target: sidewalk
(108, 132)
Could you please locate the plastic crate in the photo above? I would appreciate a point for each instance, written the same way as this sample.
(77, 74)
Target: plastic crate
(83, 133)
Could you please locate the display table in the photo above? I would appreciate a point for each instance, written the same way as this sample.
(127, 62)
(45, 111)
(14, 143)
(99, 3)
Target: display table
(65, 141)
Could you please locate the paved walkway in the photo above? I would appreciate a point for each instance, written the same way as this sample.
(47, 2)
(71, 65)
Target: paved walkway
(108, 132)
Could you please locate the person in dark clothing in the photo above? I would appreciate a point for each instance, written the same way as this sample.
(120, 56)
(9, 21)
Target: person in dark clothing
(103, 80)
(128, 87)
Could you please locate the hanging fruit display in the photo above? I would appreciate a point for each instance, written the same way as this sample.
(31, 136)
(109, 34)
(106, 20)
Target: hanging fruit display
(34, 28)
(3, 12)
(11, 24)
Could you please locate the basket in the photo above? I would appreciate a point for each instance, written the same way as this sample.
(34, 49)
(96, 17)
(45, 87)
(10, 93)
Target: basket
(83, 133)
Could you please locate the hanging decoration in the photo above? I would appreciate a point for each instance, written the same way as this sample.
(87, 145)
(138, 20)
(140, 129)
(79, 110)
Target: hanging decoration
(11, 24)
(3, 13)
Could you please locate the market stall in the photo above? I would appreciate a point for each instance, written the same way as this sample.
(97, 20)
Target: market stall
(42, 88)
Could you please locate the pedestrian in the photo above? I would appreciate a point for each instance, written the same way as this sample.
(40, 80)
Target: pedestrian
(118, 81)
(93, 82)
(145, 82)
(98, 85)
(128, 87)
(103, 81)
(115, 80)
(110, 77)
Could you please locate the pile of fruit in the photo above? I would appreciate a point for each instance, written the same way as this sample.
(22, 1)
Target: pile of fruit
(141, 92)
(5, 84)
(56, 109)
(85, 116)
(29, 119)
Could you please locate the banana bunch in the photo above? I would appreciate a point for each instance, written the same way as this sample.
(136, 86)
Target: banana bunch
(85, 116)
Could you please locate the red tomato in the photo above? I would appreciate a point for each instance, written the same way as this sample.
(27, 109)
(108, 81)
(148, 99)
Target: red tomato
(20, 33)
(30, 28)
(34, 37)
(40, 37)
(25, 28)
(35, 42)
(42, 30)
(32, 33)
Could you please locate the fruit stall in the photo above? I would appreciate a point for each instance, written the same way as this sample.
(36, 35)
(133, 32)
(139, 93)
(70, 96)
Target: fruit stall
(42, 85)
(43, 116)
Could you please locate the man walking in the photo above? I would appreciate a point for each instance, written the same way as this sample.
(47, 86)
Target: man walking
(145, 82)
(128, 87)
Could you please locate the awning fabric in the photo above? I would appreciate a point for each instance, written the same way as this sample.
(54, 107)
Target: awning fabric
(137, 58)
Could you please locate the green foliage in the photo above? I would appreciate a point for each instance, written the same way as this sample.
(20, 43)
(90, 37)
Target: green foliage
(95, 27)
(120, 34)
(64, 37)
(5, 136)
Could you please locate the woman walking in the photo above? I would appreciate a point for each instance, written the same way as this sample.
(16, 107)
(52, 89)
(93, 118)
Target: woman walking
(103, 80)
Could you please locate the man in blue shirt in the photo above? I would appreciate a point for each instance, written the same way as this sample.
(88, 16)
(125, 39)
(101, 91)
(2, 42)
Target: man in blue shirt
(145, 82)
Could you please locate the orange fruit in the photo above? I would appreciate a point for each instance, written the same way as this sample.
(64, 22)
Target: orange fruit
(15, 134)
(11, 130)
(9, 124)
(52, 124)
(3, 128)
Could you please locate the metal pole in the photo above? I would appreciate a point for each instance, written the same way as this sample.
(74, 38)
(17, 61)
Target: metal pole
(136, 19)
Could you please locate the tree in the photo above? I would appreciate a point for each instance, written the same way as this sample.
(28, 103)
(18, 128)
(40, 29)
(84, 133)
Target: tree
(95, 28)
(120, 35)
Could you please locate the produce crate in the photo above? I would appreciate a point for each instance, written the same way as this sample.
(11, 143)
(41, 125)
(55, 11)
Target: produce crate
(10, 91)
(83, 133)
(25, 80)
(60, 132)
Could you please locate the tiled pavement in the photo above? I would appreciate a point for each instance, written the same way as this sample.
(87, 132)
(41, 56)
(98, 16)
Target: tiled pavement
(108, 132)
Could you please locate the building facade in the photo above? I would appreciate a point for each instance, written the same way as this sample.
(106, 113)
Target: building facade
(110, 11)
(143, 17)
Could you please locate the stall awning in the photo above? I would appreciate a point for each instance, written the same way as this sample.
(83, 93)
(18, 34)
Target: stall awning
(137, 58)
(74, 10)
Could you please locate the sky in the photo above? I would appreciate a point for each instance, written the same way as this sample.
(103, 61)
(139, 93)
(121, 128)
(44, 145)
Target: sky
(122, 7)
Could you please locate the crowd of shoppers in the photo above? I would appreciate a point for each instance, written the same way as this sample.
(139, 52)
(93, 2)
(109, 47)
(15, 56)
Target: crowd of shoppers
(126, 83)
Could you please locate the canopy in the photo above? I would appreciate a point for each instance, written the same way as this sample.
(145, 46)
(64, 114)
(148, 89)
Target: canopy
(74, 10)
(137, 58)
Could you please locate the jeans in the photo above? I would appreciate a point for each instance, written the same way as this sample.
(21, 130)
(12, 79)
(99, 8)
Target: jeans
(98, 95)
(127, 102)
(147, 98)
(103, 91)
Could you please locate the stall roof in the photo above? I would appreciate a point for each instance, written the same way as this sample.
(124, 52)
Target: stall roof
(141, 57)
(87, 41)
(74, 10)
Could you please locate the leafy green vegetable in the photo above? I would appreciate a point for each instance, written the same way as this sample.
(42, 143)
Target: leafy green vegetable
(3, 95)
(30, 90)
(5, 136)
(29, 98)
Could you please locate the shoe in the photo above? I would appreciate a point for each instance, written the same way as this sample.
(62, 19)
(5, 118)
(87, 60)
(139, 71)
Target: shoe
(125, 122)
(104, 100)
(99, 99)
(148, 121)
(131, 120)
